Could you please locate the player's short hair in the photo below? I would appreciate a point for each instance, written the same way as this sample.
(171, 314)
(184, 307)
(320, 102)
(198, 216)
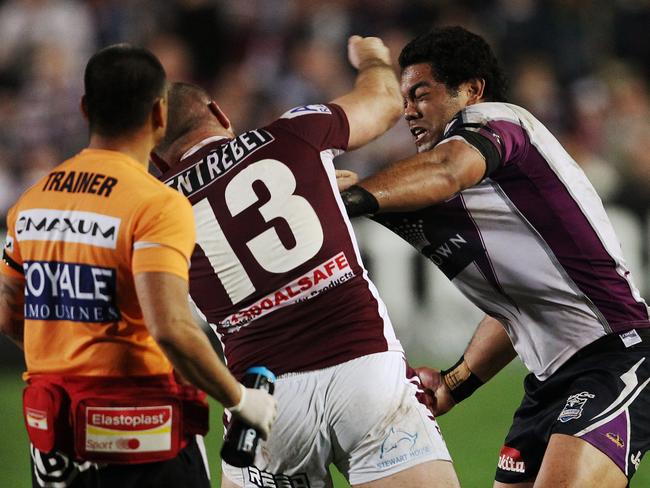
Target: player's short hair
(121, 84)
(188, 109)
(455, 56)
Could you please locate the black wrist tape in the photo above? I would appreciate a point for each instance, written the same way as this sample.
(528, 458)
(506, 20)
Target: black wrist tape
(461, 381)
(359, 201)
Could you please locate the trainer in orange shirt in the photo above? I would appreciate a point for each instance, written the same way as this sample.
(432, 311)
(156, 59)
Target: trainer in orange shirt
(94, 289)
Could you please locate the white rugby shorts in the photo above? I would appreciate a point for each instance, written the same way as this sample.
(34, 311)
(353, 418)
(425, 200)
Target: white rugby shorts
(361, 415)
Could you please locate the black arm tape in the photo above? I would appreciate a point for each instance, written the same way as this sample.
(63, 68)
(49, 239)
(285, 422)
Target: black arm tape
(359, 201)
(11, 263)
(484, 146)
(464, 381)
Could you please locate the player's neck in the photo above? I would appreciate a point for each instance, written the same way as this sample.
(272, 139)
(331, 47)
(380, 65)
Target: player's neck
(136, 146)
(183, 144)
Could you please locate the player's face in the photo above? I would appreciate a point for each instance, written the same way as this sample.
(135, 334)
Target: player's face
(428, 105)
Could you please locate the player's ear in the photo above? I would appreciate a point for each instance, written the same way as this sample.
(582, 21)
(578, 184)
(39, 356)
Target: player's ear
(475, 89)
(83, 106)
(219, 114)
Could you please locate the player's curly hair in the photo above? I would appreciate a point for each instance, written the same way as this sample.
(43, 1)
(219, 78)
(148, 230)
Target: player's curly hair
(457, 55)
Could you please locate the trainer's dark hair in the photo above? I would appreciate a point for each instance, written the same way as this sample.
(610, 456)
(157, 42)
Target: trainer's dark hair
(457, 55)
(121, 84)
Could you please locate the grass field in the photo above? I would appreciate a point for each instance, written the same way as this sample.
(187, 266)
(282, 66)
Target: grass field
(474, 433)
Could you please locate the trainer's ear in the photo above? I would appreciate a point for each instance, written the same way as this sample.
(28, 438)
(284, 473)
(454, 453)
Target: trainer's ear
(83, 106)
(219, 114)
(159, 114)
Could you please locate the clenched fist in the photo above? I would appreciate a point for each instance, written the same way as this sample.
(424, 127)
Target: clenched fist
(438, 398)
(256, 408)
(346, 178)
(367, 51)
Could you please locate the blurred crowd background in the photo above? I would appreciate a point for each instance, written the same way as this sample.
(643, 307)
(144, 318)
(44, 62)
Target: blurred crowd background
(581, 66)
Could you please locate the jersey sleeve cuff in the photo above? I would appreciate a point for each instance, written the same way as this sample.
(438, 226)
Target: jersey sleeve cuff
(160, 258)
(16, 269)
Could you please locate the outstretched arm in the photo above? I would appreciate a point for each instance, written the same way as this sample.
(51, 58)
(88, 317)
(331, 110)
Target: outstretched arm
(489, 351)
(163, 299)
(374, 105)
(419, 181)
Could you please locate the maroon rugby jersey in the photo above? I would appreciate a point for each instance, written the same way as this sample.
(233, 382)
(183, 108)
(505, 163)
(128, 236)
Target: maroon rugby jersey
(276, 270)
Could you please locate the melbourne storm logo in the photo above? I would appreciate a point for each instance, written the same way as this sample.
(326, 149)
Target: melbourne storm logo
(574, 405)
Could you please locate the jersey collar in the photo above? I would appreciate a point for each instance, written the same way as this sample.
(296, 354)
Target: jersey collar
(199, 145)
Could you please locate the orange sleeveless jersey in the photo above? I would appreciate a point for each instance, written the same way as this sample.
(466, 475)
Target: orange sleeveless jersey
(77, 237)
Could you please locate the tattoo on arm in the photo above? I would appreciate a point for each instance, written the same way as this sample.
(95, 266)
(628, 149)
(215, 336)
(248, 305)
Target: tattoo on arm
(12, 299)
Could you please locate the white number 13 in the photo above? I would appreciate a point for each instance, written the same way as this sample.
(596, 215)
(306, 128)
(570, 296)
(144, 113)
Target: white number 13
(299, 215)
(267, 248)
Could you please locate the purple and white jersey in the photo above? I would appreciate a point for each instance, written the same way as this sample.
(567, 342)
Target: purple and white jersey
(276, 270)
(531, 244)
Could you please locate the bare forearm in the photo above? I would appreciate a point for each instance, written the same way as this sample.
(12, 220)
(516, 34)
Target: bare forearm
(189, 350)
(488, 352)
(490, 349)
(192, 355)
(411, 184)
(374, 104)
(163, 299)
(427, 178)
(378, 83)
